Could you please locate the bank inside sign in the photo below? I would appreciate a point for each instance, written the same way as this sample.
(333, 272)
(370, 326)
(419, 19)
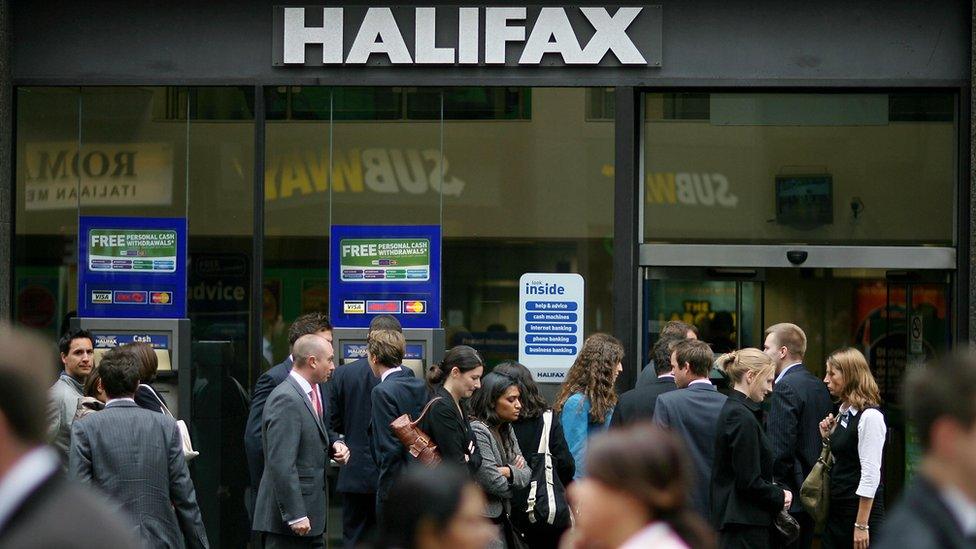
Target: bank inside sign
(513, 35)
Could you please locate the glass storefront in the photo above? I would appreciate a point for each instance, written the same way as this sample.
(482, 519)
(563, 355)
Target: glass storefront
(520, 179)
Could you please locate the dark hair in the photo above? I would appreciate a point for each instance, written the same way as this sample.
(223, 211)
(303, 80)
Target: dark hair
(462, 357)
(145, 358)
(308, 324)
(697, 354)
(421, 495)
(942, 389)
(386, 346)
(678, 328)
(385, 322)
(120, 373)
(64, 344)
(650, 465)
(533, 403)
(662, 352)
(90, 388)
(23, 386)
(482, 403)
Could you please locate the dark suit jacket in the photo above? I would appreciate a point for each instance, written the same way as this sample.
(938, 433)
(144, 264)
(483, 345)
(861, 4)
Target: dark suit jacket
(742, 473)
(638, 404)
(347, 413)
(647, 375)
(294, 483)
(252, 432)
(692, 413)
(146, 397)
(400, 393)
(922, 521)
(797, 405)
(136, 457)
(59, 513)
(451, 432)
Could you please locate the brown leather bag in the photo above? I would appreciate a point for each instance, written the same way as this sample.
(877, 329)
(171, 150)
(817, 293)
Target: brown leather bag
(417, 442)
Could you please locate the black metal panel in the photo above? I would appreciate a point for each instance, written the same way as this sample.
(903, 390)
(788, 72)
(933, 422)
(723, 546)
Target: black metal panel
(627, 229)
(257, 246)
(705, 42)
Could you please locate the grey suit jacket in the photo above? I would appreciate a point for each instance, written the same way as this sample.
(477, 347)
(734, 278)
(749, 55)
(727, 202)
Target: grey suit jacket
(296, 450)
(693, 413)
(62, 405)
(136, 457)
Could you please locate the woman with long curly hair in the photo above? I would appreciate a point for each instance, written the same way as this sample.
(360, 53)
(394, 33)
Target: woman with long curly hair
(857, 436)
(587, 398)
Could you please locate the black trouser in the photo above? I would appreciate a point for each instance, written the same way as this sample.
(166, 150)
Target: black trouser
(807, 528)
(744, 536)
(280, 541)
(358, 518)
(841, 515)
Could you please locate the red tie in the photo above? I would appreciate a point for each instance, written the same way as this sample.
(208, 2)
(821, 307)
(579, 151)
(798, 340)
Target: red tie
(316, 402)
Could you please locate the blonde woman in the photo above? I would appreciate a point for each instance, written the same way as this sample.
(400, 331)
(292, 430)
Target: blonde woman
(586, 401)
(744, 499)
(857, 437)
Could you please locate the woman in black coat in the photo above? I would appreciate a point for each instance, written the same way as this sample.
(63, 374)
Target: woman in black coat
(528, 432)
(744, 499)
(456, 378)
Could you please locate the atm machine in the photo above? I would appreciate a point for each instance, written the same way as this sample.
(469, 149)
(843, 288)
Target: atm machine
(425, 346)
(170, 338)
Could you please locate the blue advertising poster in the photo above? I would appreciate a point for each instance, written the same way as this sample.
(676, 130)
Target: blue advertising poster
(131, 267)
(385, 269)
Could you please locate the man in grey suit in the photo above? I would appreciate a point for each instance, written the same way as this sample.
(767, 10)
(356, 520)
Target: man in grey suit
(135, 456)
(39, 506)
(77, 357)
(692, 412)
(292, 501)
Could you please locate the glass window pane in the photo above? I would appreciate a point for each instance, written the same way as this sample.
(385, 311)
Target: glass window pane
(806, 168)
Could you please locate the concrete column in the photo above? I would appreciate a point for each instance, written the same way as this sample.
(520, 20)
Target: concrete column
(6, 172)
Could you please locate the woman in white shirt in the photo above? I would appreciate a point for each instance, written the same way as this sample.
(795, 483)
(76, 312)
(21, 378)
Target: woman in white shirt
(634, 494)
(857, 437)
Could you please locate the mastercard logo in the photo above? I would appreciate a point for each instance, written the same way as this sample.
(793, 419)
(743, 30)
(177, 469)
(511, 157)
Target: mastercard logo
(161, 298)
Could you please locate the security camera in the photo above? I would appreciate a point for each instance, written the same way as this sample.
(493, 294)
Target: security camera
(796, 257)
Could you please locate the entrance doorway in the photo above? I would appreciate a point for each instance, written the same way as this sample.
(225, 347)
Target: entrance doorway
(898, 317)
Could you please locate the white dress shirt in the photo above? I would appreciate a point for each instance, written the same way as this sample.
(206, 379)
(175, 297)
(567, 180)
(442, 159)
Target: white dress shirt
(871, 434)
(24, 477)
(700, 382)
(120, 399)
(783, 373)
(657, 535)
(387, 373)
(962, 508)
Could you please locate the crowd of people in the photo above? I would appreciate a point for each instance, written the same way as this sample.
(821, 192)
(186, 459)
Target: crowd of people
(676, 462)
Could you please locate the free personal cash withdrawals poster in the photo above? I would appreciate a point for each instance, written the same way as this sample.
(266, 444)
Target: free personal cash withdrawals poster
(132, 267)
(385, 269)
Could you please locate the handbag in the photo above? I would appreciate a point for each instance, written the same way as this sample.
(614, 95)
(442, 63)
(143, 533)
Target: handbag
(815, 491)
(417, 442)
(786, 529)
(511, 536)
(545, 495)
(188, 451)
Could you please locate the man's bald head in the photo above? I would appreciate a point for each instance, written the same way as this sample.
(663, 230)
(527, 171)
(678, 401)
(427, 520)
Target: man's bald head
(313, 358)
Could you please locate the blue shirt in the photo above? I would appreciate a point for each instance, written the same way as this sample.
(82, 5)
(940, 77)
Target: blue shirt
(577, 428)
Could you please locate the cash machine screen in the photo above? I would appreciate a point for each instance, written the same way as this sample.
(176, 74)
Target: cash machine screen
(413, 358)
(160, 341)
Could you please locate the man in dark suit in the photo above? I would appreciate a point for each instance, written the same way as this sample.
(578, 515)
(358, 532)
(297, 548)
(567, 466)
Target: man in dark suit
(39, 506)
(348, 412)
(638, 404)
(311, 323)
(397, 393)
(692, 412)
(292, 503)
(135, 457)
(673, 330)
(798, 402)
(938, 509)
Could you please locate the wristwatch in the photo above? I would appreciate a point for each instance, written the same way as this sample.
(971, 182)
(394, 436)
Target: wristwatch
(862, 527)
